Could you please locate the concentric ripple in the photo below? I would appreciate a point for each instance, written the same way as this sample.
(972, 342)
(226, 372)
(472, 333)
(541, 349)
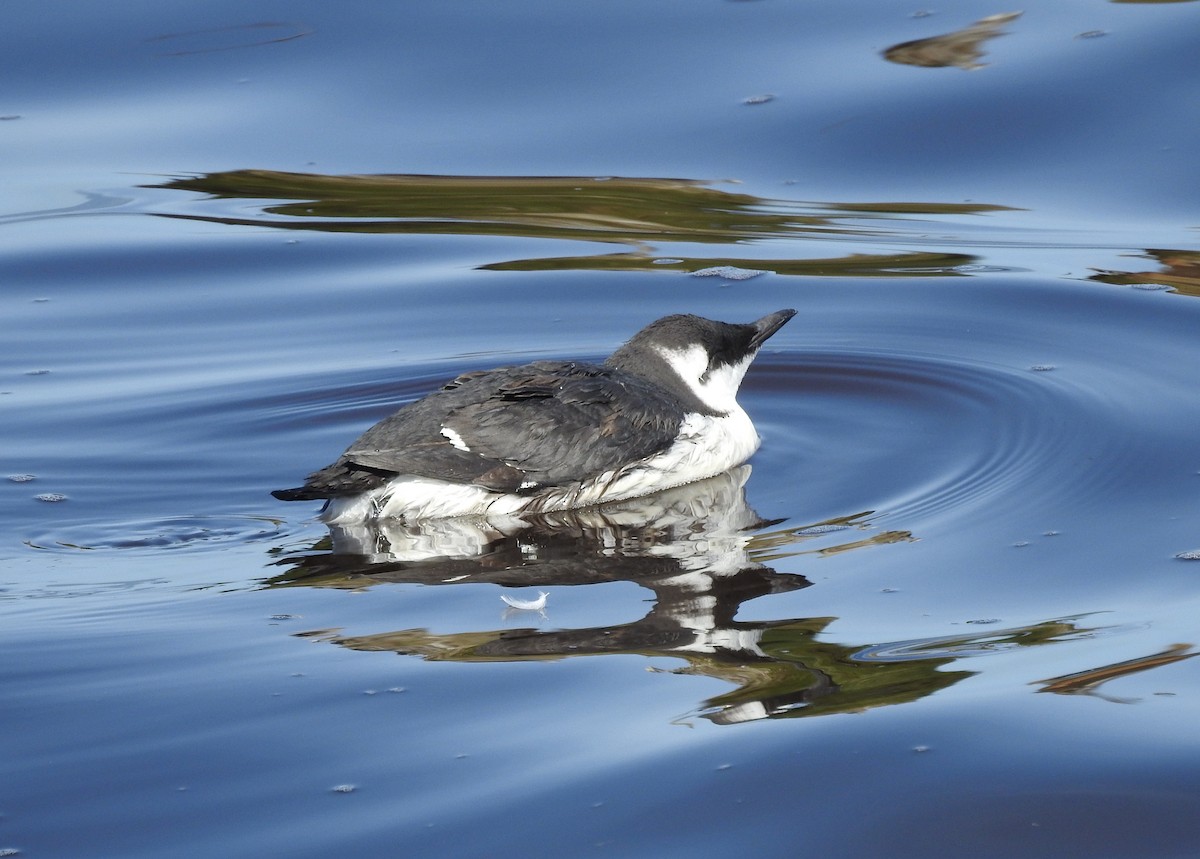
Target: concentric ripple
(162, 535)
(914, 434)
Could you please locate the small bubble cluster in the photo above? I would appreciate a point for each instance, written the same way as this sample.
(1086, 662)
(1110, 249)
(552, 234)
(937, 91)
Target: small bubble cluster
(729, 272)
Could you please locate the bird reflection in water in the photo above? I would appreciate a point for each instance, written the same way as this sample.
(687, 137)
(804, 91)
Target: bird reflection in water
(699, 548)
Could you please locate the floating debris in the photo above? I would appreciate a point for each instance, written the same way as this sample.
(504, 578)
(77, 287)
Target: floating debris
(21, 478)
(1193, 555)
(526, 605)
(50, 497)
(759, 99)
(1042, 368)
(729, 272)
(343, 788)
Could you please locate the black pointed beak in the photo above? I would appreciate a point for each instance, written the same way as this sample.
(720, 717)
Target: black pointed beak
(768, 325)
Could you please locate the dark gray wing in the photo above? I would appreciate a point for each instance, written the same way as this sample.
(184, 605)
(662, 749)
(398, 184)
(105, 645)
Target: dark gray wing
(557, 425)
(524, 429)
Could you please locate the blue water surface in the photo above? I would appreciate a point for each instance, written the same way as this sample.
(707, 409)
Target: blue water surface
(950, 609)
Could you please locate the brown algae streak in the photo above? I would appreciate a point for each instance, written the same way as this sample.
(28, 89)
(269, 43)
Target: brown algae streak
(639, 212)
(961, 49)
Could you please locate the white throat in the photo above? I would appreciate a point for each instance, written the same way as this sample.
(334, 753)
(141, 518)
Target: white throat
(718, 388)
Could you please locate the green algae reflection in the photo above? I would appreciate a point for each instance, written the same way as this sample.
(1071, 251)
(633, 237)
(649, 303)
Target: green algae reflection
(640, 213)
(792, 670)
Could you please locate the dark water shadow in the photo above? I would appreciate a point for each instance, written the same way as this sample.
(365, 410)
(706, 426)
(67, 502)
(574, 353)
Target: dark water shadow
(704, 553)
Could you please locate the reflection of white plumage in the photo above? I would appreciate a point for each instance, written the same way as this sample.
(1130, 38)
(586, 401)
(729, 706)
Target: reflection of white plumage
(662, 411)
(703, 526)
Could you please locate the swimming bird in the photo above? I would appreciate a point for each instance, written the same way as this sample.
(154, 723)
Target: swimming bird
(660, 412)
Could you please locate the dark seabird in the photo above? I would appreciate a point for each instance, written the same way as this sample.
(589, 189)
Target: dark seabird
(662, 411)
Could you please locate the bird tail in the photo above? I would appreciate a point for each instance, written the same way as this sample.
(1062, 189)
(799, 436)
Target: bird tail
(300, 493)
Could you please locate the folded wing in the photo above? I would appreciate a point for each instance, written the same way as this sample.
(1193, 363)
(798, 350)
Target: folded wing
(516, 429)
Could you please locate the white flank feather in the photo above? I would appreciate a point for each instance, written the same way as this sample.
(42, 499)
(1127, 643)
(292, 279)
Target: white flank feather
(455, 439)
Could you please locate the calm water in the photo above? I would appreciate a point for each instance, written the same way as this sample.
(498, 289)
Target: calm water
(948, 609)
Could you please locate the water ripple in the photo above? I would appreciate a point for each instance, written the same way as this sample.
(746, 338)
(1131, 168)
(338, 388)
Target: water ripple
(165, 534)
(924, 435)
